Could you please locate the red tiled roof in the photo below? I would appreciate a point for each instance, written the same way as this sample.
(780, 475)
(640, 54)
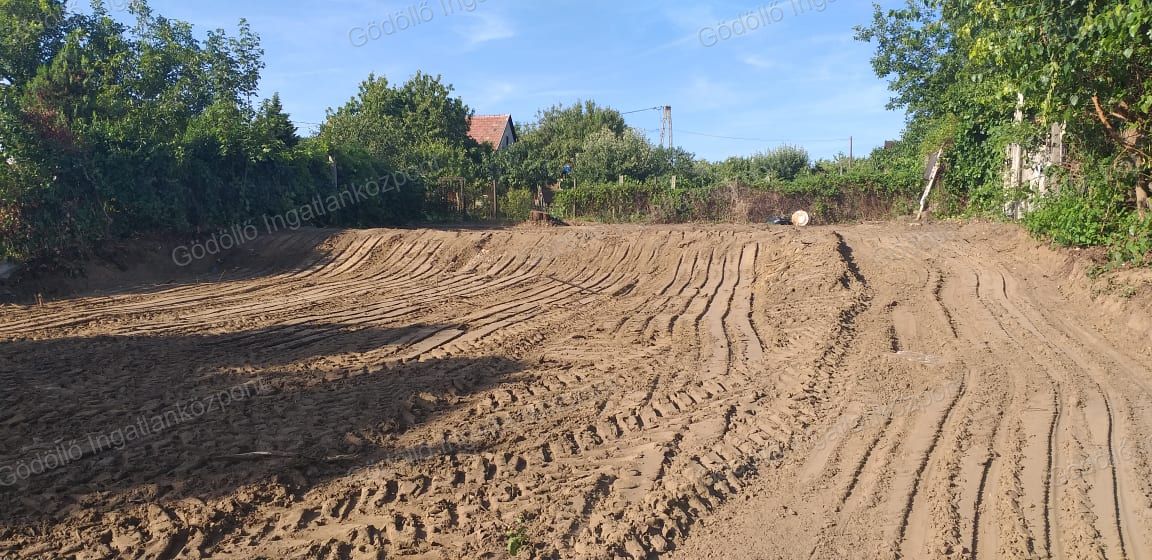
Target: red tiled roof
(489, 129)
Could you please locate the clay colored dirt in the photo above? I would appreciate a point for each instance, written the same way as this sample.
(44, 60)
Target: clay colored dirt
(874, 391)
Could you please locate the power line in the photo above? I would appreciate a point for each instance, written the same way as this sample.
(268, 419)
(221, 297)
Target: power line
(813, 140)
(765, 140)
(660, 108)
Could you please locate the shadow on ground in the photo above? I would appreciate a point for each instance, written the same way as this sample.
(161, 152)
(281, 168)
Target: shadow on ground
(163, 418)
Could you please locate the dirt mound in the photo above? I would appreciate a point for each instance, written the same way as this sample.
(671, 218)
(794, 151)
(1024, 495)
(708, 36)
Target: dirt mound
(585, 392)
(148, 264)
(995, 411)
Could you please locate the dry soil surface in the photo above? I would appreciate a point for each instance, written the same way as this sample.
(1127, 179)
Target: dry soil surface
(874, 391)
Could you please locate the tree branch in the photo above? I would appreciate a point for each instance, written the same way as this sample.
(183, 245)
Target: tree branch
(1104, 118)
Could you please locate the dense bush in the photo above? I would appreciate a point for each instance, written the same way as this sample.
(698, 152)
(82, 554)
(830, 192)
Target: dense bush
(830, 199)
(112, 130)
(1076, 219)
(977, 76)
(516, 205)
(612, 202)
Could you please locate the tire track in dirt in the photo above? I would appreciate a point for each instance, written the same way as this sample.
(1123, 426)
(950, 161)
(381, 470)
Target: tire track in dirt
(200, 295)
(1097, 443)
(608, 389)
(1032, 461)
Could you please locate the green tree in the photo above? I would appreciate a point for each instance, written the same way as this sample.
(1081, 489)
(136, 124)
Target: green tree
(923, 49)
(31, 32)
(523, 164)
(112, 129)
(784, 163)
(964, 68)
(606, 155)
(419, 126)
(1087, 64)
(272, 129)
(368, 121)
(560, 133)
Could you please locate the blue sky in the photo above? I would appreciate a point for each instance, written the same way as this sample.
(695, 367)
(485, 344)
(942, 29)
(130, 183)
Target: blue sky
(791, 73)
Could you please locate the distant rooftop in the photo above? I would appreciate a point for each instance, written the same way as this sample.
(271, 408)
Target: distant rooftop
(489, 129)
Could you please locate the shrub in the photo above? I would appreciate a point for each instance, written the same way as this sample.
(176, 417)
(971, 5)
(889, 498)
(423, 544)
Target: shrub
(1075, 219)
(783, 163)
(516, 205)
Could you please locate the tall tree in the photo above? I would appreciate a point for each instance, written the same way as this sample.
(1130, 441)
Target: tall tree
(419, 126)
(31, 32)
(560, 132)
(606, 155)
(272, 128)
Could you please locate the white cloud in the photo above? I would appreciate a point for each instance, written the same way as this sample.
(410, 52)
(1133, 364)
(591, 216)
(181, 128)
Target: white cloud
(485, 27)
(757, 61)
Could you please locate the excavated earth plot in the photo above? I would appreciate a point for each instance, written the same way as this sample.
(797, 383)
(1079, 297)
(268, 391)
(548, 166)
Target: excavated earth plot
(874, 391)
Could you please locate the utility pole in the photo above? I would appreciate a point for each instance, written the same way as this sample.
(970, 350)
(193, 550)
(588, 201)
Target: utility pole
(666, 128)
(851, 155)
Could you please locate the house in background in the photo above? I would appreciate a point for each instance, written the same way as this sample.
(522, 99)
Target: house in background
(496, 130)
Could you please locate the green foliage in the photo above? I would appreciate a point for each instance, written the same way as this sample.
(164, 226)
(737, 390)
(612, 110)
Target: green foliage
(762, 169)
(609, 202)
(682, 204)
(783, 163)
(1092, 211)
(116, 130)
(633, 202)
(1133, 243)
(965, 68)
(517, 539)
(112, 130)
(418, 126)
(607, 155)
(915, 49)
(828, 196)
(523, 165)
(598, 145)
(31, 32)
(516, 204)
(559, 134)
(862, 178)
(1088, 210)
(1075, 219)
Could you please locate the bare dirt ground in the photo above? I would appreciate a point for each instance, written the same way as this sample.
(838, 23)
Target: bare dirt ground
(874, 391)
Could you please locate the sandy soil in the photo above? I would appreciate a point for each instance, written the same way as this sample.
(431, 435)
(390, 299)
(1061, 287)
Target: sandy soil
(875, 391)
